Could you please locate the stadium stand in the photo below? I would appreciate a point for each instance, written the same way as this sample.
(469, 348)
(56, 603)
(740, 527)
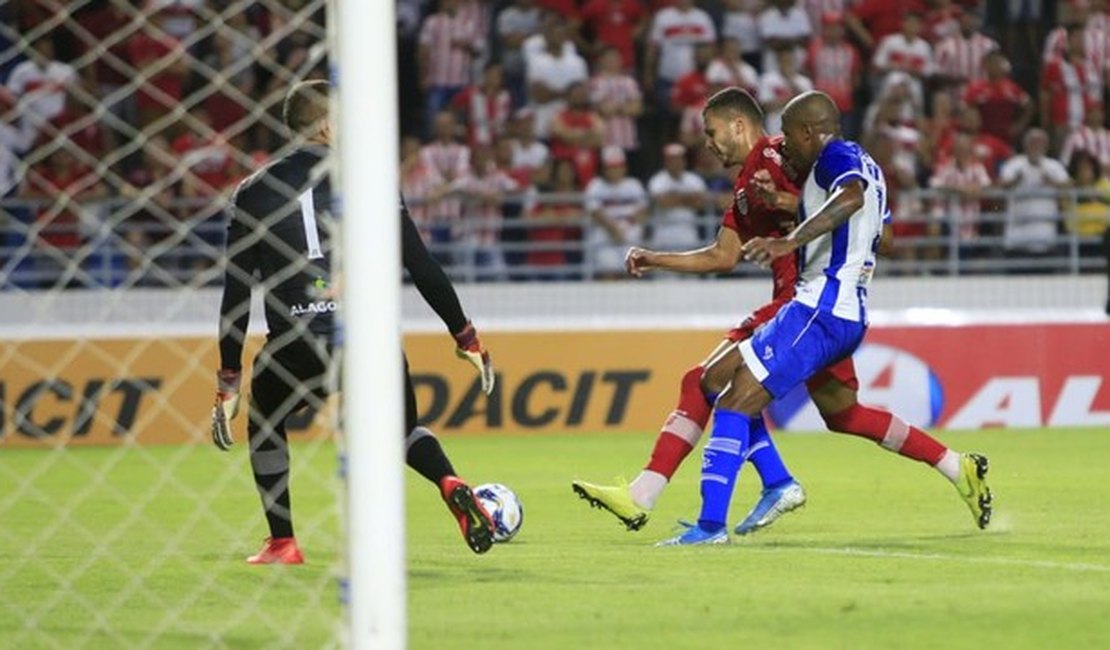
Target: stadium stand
(124, 124)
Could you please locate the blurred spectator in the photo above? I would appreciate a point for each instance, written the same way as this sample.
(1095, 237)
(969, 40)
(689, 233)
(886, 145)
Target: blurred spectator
(40, 83)
(556, 218)
(906, 52)
(618, 207)
(816, 9)
(614, 23)
(870, 21)
(834, 67)
(149, 184)
(179, 17)
(207, 160)
(577, 133)
(449, 42)
(691, 126)
(784, 24)
(568, 13)
(450, 160)
(551, 73)
(1091, 213)
(17, 134)
(514, 24)
(541, 41)
(963, 178)
(906, 219)
(98, 27)
(1092, 139)
(1005, 109)
(160, 60)
(421, 185)
(692, 87)
(528, 152)
(480, 12)
(988, 149)
(960, 57)
(741, 24)
(779, 86)
(1068, 86)
(730, 69)
(1032, 220)
(233, 91)
(1076, 18)
(80, 128)
(894, 115)
(483, 192)
(484, 108)
(669, 51)
(678, 196)
(65, 191)
(618, 100)
(942, 21)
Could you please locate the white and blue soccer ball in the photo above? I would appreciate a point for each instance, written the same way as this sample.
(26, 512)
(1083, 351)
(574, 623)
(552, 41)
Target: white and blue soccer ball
(504, 508)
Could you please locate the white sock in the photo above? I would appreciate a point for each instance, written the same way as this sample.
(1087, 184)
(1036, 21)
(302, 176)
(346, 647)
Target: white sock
(949, 465)
(646, 488)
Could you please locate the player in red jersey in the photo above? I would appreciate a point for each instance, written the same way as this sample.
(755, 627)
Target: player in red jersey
(765, 202)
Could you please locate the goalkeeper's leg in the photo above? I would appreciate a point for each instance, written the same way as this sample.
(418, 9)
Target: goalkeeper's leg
(284, 381)
(424, 454)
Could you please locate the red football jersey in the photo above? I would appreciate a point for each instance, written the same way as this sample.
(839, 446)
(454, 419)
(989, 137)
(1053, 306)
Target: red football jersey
(751, 217)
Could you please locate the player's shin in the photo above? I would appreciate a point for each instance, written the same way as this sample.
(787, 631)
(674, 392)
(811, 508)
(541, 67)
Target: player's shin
(723, 456)
(896, 435)
(424, 454)
(765, 457)
(677, 438)
(270, 463)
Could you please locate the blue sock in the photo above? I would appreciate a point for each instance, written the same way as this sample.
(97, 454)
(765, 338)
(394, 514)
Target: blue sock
(765, 457)
(721, 461)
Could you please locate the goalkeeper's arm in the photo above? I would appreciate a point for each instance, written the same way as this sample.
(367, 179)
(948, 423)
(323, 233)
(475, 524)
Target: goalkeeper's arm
(235, 311)
(437, 290)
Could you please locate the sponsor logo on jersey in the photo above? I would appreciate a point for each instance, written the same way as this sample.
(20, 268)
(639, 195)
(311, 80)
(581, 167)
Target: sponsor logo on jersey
(319, 307)
(742, 201)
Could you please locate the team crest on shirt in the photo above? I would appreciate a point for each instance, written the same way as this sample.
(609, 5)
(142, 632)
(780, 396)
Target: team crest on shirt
(742, 201)
(773, 154)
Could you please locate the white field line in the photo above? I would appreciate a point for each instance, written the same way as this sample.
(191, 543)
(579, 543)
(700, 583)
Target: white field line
(1078, 567)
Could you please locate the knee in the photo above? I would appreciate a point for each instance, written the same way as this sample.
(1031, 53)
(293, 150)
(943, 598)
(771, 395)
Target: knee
(745, 395)
(838, 421)
(694, 379)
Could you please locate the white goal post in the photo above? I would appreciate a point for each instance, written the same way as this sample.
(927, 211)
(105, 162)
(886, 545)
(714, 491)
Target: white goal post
(365, 73)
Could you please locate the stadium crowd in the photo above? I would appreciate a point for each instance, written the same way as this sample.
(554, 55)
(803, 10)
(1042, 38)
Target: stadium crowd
(541, 137)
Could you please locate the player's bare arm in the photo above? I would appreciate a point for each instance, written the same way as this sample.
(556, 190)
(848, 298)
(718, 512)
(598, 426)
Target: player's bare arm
(846, 201)
(608, 225)
(720, 256)
(886, 241)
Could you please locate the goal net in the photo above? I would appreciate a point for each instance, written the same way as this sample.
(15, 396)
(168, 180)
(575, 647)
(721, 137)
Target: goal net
(124, 128)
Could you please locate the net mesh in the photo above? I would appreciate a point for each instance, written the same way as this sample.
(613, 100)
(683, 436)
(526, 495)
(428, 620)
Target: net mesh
(124, 127)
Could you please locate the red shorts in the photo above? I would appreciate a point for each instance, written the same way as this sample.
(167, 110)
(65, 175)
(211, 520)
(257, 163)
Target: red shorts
(843, 371)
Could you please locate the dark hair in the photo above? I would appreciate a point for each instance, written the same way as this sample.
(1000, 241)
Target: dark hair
(735, 101)
(306, 105)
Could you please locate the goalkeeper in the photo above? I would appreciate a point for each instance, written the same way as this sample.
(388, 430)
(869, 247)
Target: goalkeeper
(280, 229)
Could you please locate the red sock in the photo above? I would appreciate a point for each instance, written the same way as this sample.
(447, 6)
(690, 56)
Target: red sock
(683, 427)
(890, 431)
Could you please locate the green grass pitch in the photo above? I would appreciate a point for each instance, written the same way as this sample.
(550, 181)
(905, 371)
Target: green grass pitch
(106, 548)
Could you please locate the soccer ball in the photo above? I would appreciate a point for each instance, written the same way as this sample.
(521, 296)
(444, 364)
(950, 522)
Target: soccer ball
(503, 507)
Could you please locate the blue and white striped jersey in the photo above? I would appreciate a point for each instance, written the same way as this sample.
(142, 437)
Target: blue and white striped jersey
(834, 269)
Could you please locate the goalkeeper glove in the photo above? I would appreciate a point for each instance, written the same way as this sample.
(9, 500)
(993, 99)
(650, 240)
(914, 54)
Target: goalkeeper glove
(226, 407)
(470, 348)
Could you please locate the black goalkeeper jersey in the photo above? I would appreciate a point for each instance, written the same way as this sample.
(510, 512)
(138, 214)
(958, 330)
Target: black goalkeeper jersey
(280, 230)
